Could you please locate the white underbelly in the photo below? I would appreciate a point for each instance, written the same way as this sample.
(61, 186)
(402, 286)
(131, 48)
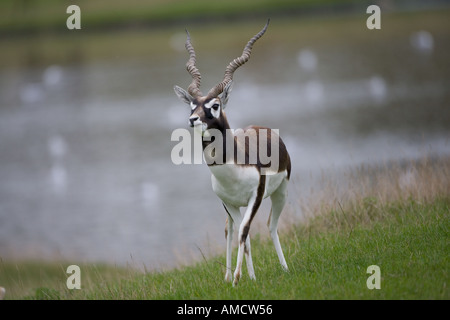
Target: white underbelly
(235, 185)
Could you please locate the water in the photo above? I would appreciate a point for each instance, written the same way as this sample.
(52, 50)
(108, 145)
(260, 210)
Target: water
(85, 168)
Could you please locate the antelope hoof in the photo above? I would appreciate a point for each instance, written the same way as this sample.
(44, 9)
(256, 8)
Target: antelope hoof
(236, 279)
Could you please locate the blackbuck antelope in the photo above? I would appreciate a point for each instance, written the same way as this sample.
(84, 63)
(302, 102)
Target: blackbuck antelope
(242, 183)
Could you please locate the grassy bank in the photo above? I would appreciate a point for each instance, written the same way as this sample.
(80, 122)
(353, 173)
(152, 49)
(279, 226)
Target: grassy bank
(395, 216)
(409, 244)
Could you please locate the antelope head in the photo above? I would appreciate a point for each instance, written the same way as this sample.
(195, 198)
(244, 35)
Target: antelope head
(207, 110)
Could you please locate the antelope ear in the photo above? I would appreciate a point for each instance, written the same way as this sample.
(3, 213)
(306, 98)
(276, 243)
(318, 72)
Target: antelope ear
(226, 94)
(183, 95)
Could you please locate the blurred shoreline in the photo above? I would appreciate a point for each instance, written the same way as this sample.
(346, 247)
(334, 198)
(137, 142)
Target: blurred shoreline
(23, 18)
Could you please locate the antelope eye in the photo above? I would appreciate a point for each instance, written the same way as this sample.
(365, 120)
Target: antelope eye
(215, 106)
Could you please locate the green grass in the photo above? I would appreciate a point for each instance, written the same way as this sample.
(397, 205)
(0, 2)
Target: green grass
(46, 280)
(408, 240)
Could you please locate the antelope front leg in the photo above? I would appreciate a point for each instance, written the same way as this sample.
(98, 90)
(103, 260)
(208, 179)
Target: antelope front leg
(248, 258)
(243, 233)
(244, 228)
(234, 216)
(229, 238)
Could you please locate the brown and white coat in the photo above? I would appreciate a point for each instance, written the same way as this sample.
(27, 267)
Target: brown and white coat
(240, 179)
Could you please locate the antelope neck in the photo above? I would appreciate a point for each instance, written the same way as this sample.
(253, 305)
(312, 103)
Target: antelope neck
(224, 128)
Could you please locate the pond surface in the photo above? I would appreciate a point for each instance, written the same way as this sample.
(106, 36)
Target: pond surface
(85, 167)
